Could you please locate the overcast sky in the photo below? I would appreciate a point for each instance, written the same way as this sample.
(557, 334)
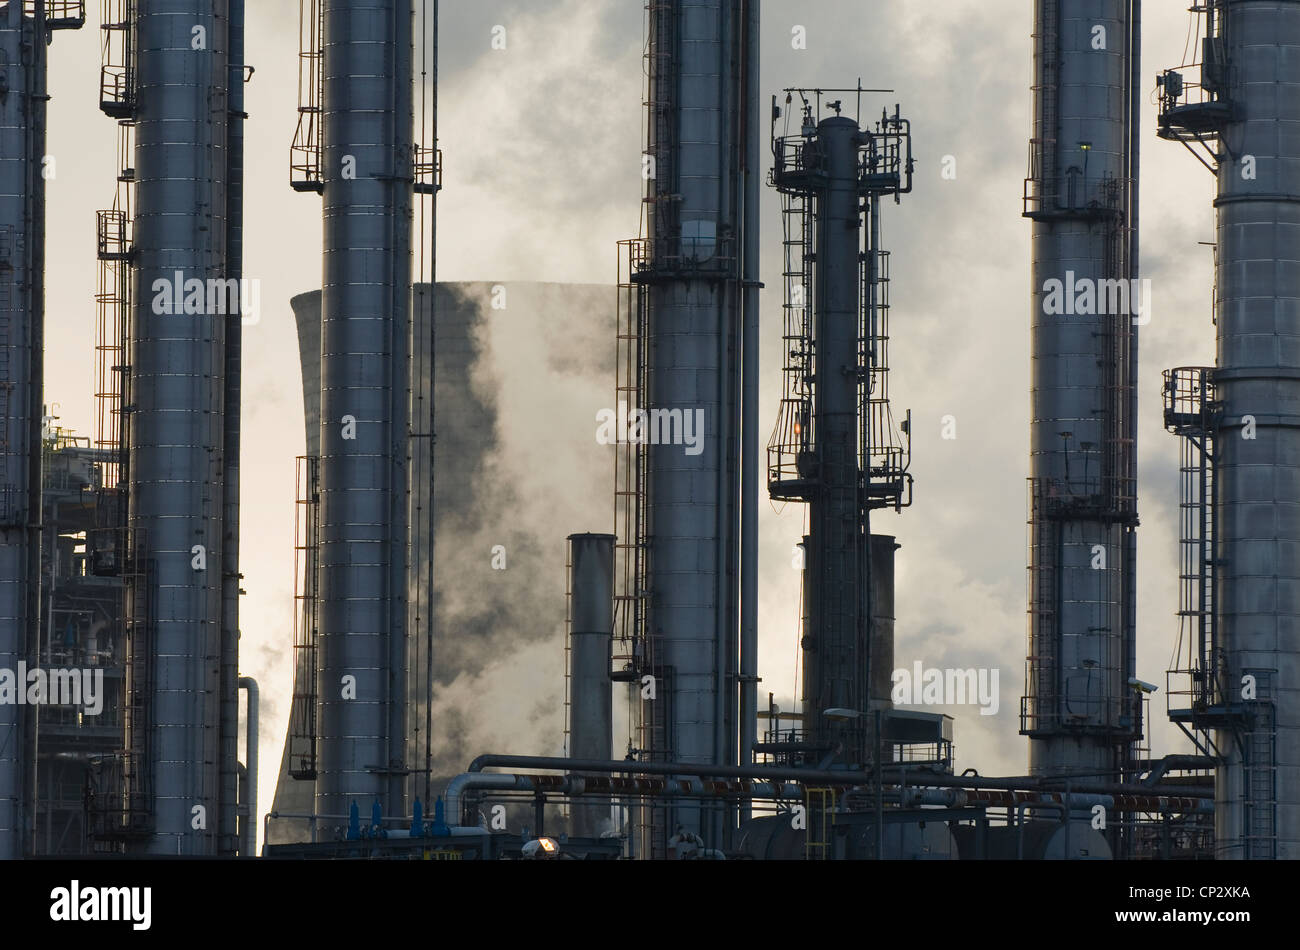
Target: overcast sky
(542, 146)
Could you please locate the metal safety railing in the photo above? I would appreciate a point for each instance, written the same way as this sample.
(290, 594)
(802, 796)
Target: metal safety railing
(428, 170)
(1259, 762)
(305, 154)
(303, 704)
(630, 471)
(791, 459)
(59, 14)
(1191, 411)
(117, 70)
(819, 817)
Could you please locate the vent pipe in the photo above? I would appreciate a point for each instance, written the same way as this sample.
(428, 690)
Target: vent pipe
(591, 626)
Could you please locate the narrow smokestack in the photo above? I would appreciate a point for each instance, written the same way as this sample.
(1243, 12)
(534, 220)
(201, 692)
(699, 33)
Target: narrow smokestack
(591, 625)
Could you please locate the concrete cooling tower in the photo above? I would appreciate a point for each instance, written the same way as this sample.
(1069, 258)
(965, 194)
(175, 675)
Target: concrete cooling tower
(521, 370)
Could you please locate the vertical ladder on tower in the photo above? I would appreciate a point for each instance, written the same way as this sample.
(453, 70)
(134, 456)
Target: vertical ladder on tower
(661, 127)
(305, 152)
(141, 649)
(630, 461)
(1259, 755)
(819, 808)
(8, 281)
(885, 447)
(1038, 707)
(115, 252)
(1196, 687)
(1042, 188)
(117, 70)
(302, 708)
(793, 437)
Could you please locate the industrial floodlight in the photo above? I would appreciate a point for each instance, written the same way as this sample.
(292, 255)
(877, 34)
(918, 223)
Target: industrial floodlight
(541, 848)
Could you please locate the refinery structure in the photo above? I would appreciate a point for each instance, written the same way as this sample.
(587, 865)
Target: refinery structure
(119, 551)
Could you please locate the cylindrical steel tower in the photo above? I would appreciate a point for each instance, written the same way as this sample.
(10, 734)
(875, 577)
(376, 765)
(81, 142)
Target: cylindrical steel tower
(229, 841)
(367, 172)
(176, 443)
(835, 447)
(837, 631)
(1081, 195)
(22, 317)
(591, 626)
(700, 104)
(1257, 468)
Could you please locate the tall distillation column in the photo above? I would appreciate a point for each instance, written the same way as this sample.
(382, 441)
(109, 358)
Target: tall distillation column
(835, 445)
(367, 172)
(684, 538)
(1245, 663)
(23, 44)
(1081, 194)
(174, 586)
(229, 835)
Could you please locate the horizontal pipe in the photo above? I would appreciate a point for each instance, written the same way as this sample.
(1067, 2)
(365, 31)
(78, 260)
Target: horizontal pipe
(805, 776)
(577, 786)
(1160, 767)
(961, 797)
